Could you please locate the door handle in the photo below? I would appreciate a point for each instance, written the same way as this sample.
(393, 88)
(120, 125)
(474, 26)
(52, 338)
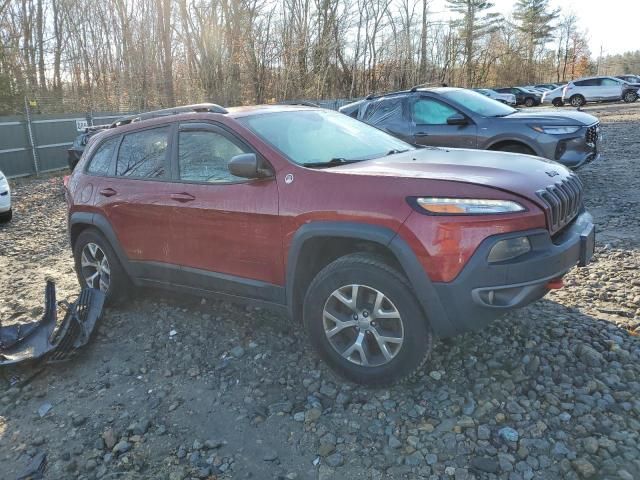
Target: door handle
(108, 192)
(421, 134)
(182, 197)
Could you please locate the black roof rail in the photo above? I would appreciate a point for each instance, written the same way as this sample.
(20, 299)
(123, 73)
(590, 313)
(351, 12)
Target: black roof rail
(198, 107)
(303, 103)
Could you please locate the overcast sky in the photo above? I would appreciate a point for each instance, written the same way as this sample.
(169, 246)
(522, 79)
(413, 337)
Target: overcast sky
(614, 24)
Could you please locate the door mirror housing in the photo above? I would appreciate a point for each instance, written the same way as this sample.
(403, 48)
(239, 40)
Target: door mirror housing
(248, 165)
(457, 119)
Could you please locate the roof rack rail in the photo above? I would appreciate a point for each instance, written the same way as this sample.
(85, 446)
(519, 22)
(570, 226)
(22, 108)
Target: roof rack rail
(198, 107)
(303, 103)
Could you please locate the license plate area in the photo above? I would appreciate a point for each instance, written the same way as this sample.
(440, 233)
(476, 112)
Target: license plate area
(587, 245)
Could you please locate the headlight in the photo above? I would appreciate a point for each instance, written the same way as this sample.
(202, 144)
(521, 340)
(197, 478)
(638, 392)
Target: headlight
(467, 206)
(554, 130)
(509, 249)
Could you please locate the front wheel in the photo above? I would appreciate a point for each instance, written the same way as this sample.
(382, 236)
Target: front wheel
(529, 102)
(6, 216)
(364, 320)
(630, 97)
(557, 102)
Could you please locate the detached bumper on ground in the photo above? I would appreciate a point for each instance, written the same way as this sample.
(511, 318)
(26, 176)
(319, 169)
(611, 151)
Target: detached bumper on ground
(484, 291)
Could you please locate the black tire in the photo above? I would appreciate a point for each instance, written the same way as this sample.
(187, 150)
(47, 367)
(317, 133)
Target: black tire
(630, 96)
(370, 272)
(6, 216)
(529, 102)
(516, 148)
(577, 101)
(557, 102)
(119, 283)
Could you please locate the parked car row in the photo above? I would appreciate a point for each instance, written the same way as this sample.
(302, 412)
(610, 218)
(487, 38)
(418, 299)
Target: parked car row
(455, 117)
(372, 244)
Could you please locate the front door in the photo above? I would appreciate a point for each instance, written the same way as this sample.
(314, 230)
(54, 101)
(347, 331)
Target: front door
(226, 229)
(431, 127)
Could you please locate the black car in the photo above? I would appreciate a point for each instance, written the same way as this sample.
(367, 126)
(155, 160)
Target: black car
(457, 117)
(524, 97)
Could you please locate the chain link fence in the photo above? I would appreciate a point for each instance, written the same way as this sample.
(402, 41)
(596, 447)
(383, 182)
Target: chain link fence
(36, 139)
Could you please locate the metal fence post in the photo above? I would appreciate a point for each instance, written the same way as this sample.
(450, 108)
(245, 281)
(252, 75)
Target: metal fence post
(32, 142)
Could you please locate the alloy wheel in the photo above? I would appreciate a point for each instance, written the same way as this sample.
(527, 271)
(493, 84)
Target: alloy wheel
(363, 325)
(95, 269)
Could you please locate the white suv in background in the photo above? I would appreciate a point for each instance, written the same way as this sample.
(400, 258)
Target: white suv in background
(5, 199)
(598, 89)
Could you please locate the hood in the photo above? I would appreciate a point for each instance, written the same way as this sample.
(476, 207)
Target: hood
(522, 175)
(572, 117)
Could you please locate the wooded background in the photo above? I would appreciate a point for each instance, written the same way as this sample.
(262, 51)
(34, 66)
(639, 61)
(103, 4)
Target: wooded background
(75, 55)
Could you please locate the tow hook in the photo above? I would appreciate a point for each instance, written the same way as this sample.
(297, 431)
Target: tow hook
(555, 284)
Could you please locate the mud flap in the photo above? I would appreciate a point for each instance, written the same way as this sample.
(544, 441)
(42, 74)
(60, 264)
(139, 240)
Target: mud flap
(42, 340)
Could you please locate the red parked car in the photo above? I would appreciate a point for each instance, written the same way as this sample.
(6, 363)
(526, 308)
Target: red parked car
(374, 244)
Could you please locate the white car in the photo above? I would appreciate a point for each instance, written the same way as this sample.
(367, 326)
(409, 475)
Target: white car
(508, 98)
(5, 199)
(553, 97)
(598, 89)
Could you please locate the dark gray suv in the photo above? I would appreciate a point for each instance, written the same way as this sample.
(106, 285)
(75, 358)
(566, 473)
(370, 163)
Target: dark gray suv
(456, 117)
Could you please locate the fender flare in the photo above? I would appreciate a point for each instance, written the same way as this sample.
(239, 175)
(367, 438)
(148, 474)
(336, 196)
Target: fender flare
(426, 293)
(512, 139)
(100, 223)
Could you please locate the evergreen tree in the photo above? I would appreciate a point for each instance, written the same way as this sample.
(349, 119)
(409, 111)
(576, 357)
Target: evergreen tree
(535, 21)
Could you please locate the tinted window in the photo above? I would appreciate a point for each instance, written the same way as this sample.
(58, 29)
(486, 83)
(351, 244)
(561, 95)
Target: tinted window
(431, 112)
(101, 160)
(310, 136)
(142, 154)
(384, 111)
(609, 82)
(592, 82)
(477, 103)
(204, 157)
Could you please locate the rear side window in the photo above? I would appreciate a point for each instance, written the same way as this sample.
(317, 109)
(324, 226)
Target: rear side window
(427, 111)
(384, 111)
(592, 82)
(142, 154)
(203, 156)
(101, 160)
(609, 82)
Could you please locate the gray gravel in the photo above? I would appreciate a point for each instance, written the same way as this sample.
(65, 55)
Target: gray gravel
(551, 391)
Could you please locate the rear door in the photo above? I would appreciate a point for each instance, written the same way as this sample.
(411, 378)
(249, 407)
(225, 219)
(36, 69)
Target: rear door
(430, 123)
(611, 89)
(134, 195)
(389, 114)
(225, 229)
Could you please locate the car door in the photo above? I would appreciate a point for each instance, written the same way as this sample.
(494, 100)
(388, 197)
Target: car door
(431, 122)
(389, 114)
(134, 195)
(610, 89)
(226, 229)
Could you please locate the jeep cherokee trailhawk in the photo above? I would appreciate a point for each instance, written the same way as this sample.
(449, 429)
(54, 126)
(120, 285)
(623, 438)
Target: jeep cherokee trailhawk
(375, 245)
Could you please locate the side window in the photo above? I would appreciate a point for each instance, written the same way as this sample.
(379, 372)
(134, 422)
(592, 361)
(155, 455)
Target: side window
(609, 82)
(384, 111)
(427, 111)
(101, 159)
(142, 154)
(203, 156)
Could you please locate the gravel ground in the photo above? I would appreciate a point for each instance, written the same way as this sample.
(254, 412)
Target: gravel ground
(175, 388)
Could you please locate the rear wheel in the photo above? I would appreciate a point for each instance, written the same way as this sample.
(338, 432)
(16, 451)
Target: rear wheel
(557, 102)
(364, 320)
(529, 102)
(577, 101)
(98, 266)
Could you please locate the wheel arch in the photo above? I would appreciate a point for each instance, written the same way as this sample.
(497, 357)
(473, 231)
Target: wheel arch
(498, 143)
(81, 221)
(335, 239)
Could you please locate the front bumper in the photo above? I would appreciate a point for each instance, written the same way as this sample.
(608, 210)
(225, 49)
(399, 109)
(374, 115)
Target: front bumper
(5, 200)
(572, 150)
(484, 291)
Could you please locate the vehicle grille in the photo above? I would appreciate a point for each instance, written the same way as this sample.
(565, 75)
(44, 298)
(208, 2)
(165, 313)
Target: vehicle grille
(592, 133)
(563, 201)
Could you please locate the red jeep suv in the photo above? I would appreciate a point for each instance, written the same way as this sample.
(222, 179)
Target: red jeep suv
(374, 244)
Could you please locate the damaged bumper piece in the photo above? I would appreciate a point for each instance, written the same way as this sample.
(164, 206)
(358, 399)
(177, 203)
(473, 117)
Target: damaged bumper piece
(42, 340)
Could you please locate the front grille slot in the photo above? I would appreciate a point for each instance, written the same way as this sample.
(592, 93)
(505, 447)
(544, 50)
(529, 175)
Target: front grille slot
(563, 201)
(592, 133)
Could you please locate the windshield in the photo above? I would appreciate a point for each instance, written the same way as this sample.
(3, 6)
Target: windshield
(320, 136)
(478, 103)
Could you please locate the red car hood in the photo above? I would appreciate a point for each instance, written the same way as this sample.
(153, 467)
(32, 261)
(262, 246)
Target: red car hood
(512, 172)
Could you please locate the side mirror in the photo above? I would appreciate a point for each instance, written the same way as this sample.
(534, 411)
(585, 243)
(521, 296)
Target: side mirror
(457, 119)
(248, 165)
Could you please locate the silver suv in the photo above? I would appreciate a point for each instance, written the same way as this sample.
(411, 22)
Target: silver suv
(598, 89)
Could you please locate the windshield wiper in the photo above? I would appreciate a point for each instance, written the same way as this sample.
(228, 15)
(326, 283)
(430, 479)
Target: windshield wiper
(331, 163)
(394, 151)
